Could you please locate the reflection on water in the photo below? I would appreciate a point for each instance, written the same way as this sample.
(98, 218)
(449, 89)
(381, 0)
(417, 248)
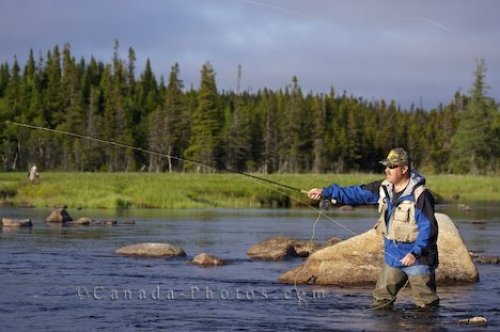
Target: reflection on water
(58, 277)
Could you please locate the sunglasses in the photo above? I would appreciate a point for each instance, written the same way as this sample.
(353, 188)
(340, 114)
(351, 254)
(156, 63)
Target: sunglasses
(391, 166)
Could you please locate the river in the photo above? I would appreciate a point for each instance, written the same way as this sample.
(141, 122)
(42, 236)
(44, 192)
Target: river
(68, 278)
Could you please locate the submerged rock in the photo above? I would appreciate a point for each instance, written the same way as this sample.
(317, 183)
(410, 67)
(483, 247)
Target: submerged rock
(129, 222)
(106, 222)
(281, 247)
(91, 222)
(358, 260)
(9, 222)
(487, 259)
(82, 221)
(205, 259)
(476, 320)
(59, 215)
(151, 249)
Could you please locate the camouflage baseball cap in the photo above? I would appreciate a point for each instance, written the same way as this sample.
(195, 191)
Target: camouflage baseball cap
(396, 157)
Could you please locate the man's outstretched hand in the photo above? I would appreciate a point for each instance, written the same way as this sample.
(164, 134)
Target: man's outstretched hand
(315, 193)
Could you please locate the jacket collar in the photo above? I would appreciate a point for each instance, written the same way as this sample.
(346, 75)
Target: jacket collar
(415, 181)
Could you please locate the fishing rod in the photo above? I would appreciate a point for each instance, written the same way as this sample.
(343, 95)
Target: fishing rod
(132, 147)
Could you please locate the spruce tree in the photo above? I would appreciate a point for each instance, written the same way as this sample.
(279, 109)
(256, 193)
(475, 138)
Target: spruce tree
(39, 142)
(12, 142)
(269, 122)
(72, 111)
(237, 139)
(319, 133)
(294, 131)
(472, 147)
(13, 95)
(4, 78)
(167, 124)
(205, 144)
(116, 124)
(441, 127)
(53, 92)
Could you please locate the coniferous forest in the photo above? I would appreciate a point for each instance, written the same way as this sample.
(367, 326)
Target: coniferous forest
(264, 131)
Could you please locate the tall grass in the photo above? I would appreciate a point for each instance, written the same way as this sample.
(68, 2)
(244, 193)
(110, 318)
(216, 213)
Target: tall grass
(186, 190)
(465, 187)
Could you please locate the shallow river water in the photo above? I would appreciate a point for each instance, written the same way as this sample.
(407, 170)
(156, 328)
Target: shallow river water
(69, 279)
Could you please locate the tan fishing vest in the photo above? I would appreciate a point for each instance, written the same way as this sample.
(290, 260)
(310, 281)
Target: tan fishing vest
(402, 224)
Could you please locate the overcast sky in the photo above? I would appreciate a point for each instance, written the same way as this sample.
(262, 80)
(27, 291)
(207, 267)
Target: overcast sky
(403, 50)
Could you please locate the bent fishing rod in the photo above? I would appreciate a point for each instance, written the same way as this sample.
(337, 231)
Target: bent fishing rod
(155, 153)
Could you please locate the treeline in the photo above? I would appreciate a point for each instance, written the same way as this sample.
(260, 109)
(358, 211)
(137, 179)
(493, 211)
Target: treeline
(265, 131)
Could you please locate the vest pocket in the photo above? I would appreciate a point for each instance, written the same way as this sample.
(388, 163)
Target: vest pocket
(402, 228)
(402, 214)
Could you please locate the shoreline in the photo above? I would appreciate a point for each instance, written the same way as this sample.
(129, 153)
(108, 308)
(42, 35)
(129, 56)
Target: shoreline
(214, 190)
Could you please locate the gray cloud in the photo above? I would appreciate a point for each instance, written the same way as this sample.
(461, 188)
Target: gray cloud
(372, 49)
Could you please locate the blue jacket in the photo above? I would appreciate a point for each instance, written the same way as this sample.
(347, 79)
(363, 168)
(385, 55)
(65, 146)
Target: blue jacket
(424, 248)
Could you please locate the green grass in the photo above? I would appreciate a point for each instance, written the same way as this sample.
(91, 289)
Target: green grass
(465, 188)
(185, 190)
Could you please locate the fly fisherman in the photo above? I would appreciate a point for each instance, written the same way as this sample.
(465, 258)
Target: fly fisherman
(407, 224)
(33, 174)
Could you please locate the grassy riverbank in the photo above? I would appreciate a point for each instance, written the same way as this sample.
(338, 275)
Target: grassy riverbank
(177, 191)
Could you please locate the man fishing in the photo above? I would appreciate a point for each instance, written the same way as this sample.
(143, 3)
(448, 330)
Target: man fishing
(407, 224)
(33, 174)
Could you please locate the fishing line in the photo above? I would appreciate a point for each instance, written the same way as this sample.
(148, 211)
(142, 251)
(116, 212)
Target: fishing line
(422, 19)
(132, 147)
(285, 10)
(252, 177)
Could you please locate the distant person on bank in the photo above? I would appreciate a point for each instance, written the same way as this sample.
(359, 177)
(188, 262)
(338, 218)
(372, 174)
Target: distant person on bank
(407, 224)
(33, 174)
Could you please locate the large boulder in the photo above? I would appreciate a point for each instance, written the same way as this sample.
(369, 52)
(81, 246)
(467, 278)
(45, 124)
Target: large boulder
(455, 261)
(358, 260)
(151, 249)
(59, 215)
(281, 247)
